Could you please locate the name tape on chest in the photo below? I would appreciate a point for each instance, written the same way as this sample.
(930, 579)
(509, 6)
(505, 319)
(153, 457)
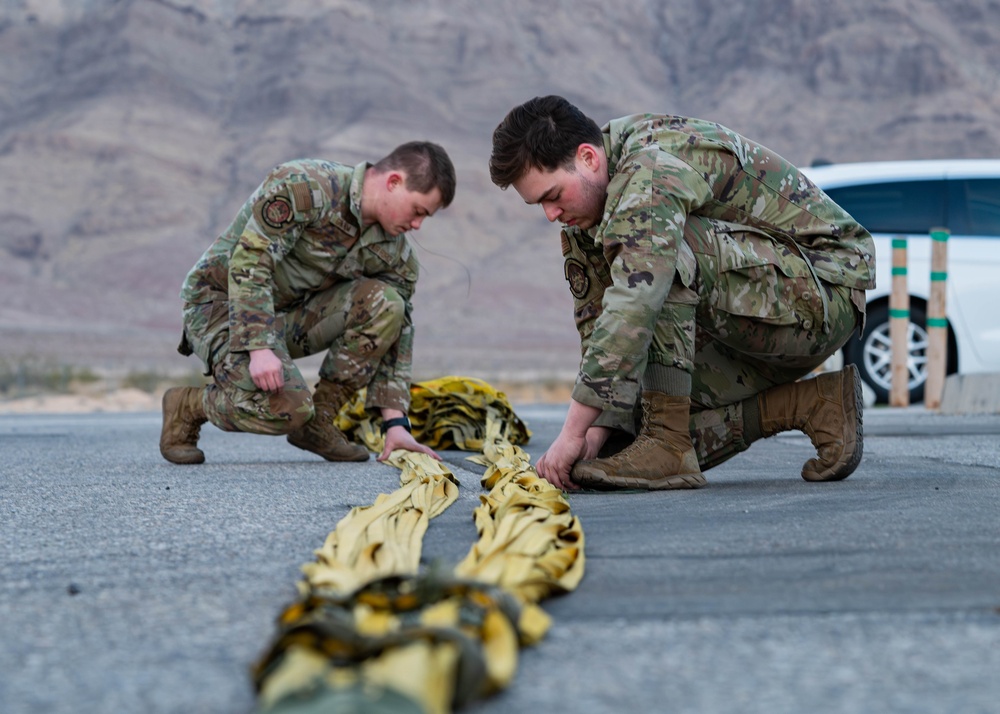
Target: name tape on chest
(344, 225)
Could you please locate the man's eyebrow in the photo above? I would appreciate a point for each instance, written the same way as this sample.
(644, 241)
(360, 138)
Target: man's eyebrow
(541, 198)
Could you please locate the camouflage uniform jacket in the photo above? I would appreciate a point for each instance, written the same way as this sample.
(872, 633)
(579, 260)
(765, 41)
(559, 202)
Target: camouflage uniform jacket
(662, 169)
(300, 233)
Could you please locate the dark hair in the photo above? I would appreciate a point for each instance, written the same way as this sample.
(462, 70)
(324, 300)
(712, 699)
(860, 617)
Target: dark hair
(543, 133)
(427, 167)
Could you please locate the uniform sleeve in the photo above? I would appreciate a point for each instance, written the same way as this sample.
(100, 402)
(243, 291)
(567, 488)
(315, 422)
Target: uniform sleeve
(649, 200)
(273, 227)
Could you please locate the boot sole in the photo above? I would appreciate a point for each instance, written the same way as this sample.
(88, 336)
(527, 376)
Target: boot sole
(666, 483)
(358, 458)
(839, 473)
(185, 459)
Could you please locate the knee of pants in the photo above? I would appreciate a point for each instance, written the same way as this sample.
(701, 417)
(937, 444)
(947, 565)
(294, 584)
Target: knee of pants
(286, 411)
(300, 412)
(257, 412)
(380, 304)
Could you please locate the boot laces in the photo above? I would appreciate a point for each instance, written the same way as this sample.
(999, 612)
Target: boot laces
(642, 440)
(191, 429)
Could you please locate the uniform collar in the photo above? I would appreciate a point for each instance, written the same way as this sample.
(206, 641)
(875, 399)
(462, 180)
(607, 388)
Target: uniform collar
(614, 132)
(357, 181)
(373, 233)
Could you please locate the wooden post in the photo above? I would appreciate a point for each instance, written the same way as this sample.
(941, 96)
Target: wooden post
(899, 328)
(937, 321)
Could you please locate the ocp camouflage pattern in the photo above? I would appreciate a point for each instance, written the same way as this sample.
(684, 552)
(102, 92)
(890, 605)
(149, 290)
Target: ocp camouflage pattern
(298, 235)
(664, 169)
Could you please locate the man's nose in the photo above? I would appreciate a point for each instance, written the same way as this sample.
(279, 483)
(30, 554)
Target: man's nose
(415, 223)
(552, 211)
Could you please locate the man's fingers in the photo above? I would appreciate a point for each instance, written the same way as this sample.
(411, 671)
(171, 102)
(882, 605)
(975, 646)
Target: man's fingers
(426, 450)
(548, 473)
(565, 482)
(269, 382)
(433, 454)
(409, 445)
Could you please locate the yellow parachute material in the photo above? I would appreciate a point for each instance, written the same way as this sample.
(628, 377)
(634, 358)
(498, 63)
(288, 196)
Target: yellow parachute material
(445, 413)
(371, 632)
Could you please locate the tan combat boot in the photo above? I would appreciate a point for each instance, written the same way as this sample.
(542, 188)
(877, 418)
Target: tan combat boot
(829, 409)
(661, 457)
(319, 435)
(183, 415)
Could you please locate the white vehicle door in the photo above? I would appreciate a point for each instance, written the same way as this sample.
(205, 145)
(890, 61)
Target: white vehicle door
(974, 269)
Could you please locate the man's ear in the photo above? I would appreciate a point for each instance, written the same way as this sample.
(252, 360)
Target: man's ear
(586, 154)
(393, 180)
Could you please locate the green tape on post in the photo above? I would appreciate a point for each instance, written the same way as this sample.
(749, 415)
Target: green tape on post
(899, 242)
(899, 271)
(937, 322)
(939, 276)
(940, 234)
(899, 313)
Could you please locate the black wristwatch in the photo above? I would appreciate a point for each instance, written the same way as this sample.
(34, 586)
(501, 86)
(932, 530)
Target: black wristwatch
(398, 421)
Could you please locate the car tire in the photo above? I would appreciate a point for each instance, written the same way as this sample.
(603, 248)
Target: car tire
(873, 353)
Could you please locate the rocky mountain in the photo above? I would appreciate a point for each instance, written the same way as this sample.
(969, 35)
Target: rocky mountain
(132, 130)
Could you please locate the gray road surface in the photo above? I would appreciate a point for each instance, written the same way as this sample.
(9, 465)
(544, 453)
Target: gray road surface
(128, 584)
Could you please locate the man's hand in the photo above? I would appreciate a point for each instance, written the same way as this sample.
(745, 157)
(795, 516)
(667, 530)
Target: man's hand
(266, 370)
(569, 447)
(555, 464)
(597, 436)
(399, 438)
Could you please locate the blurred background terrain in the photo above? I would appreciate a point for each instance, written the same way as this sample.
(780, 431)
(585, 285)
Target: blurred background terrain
(132, 130)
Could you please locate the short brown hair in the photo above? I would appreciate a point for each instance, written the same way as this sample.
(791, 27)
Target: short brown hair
(426, 165)
(543, 133)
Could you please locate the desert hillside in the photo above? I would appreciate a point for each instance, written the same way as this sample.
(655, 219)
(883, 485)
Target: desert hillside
(132, 130)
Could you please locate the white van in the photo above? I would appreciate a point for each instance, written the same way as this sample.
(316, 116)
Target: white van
(907, 199)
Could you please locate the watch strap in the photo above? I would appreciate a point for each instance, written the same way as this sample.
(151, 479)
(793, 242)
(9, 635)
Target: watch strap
(398, 421)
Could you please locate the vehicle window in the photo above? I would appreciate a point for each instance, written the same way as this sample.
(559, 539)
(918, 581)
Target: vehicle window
(976, 207)
(900, 207)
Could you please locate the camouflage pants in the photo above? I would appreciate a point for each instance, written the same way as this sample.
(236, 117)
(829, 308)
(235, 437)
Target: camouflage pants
(355, 322)
(754, 318)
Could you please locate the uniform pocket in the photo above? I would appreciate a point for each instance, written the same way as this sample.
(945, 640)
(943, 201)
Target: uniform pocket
(206, 327)
(762, 279)
(761, 292)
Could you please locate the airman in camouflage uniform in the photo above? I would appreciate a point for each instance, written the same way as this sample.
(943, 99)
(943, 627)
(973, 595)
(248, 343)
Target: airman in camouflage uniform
(317, 260)
(709, 275)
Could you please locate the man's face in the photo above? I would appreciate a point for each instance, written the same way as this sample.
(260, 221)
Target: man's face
(404, 210)
(574, 198)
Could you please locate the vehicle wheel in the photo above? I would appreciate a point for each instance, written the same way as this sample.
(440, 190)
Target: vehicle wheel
(873, 353)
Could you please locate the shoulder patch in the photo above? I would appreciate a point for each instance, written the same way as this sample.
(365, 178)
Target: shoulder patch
(576, 275)
(277, 212)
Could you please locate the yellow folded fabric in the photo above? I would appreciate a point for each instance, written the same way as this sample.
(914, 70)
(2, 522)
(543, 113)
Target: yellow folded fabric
(445, 413)
(371, 631)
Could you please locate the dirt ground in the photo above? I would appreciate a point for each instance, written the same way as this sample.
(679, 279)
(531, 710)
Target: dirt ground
(119, 400)
(136, 400)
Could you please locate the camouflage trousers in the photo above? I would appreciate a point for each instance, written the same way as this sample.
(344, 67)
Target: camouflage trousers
(755, 317)
(355, 323)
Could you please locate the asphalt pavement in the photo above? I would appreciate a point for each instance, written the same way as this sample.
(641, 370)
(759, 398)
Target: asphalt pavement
(129, 584)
